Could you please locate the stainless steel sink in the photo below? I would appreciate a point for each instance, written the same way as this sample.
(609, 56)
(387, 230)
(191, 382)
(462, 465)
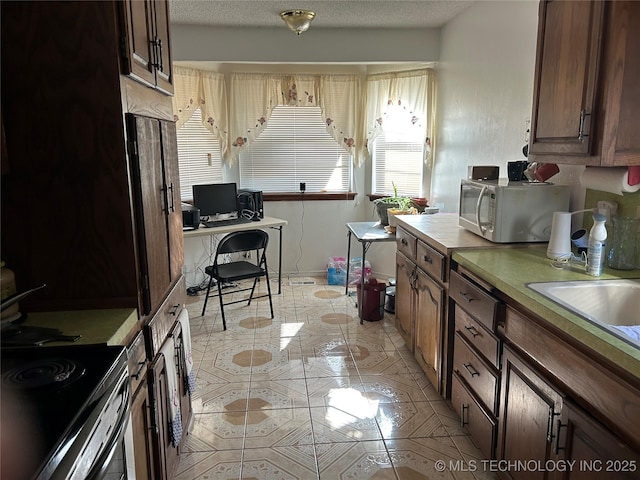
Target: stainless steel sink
(613, 304)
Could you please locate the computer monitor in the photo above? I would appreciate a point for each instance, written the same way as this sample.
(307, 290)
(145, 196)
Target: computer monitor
(215, 199)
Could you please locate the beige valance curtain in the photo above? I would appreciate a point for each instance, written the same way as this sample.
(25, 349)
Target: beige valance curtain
(415, 91)
(195, 89)
(254, 96)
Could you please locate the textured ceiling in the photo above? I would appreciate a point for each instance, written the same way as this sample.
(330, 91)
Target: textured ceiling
(329, 13)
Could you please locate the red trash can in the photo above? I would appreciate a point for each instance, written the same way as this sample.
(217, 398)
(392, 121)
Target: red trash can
(371, 308)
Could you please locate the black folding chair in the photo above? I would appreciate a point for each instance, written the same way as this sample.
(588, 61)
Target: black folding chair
(247, 241)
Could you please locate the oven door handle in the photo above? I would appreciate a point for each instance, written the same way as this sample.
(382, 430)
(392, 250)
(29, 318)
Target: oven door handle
(102, 463)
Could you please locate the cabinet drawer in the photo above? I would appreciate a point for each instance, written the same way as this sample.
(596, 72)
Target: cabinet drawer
(159, 326)
(478, 336)
(481, 424)
(430, 260)
(137, 361)
(406, 243)
(475, 301)
(478, 375)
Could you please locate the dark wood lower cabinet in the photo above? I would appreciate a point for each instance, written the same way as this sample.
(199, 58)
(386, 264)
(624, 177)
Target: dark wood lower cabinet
(166, 455)
(143, 426)
(529, 409)
(591, 450)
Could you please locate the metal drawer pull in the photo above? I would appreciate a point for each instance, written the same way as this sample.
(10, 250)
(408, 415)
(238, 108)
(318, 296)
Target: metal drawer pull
(141, 366)
(404, 241)
(472, 330)
(428, 259)
(463, 407)
(472, 371)
(466, 296)
(174, 310)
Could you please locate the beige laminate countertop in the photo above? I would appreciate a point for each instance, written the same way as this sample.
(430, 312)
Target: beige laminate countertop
(111, 327)
(443, 232)
(509, 270)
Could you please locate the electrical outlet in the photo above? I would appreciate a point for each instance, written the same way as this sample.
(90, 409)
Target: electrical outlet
(527, 130)
(303, 186)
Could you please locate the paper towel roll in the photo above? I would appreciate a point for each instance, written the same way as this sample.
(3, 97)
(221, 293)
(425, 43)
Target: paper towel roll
(608, 179)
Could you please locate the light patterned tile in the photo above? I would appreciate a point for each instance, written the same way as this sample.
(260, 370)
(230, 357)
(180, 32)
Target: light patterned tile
(340, 392)
(329, 366)
(222, 398)
(331, 425)
(278, 428)
(428, 458)
(219, 465)
(449, 418)
(379, 363)
(290, 463)
(398, 388)
(409, 420)
(474, 458)
(354, 461)
(289, 393)
(216, 431)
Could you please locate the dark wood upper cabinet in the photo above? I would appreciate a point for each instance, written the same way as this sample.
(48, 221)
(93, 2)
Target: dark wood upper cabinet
(586, 97)
(147, 55)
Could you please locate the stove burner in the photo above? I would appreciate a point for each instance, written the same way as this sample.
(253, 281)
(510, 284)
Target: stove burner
(43, 373)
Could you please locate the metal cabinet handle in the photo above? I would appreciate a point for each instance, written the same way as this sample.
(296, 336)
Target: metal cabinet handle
(157, 51)
(472, 371)
(559, 426)
(581, 134)
(174, 309)
(466, 296)
(428, 259)
(404, 241)
(463, 408)
(472, 330)
(141, 366)
(172, 207)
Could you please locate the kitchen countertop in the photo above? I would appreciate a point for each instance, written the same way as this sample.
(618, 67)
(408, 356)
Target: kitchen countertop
(510, 269)
(111, 326)
(443, 231)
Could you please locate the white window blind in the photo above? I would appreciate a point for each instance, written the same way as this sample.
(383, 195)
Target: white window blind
(398, 156)
(199, 158)
(295, 147)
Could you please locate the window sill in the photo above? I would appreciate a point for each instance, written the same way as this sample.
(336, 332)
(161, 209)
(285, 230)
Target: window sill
(288, 197)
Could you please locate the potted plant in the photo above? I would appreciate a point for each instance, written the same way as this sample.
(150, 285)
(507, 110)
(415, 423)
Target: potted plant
(400, 206)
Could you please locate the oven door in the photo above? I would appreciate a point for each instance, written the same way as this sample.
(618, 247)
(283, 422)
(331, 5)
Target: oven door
(478, 208)
(102, 448)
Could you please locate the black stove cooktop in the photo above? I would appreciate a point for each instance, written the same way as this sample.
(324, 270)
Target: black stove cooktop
(55, 387)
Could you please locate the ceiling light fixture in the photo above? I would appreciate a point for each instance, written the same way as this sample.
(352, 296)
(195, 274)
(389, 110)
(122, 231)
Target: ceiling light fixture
(297, 20)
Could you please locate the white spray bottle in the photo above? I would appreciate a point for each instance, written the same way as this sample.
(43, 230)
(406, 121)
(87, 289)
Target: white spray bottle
(595, 250)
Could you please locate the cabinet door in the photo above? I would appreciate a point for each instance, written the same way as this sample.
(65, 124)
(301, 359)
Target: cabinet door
(151, 205)
(428, 326)
(596, 451)
(173, 208)
(166, 454)
(567, 63)
(405, 298)
(183, 392)
(162, 45)
(529, 408)
(138, 18)
(143, 433)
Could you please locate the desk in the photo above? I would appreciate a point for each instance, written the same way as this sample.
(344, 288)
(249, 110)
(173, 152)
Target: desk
(366, 233)
(266, 222)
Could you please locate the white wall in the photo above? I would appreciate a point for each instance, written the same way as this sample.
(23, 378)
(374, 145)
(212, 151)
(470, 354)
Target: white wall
(485, 94)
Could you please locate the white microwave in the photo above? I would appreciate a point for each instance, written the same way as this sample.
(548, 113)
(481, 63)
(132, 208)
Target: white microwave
(510, 212)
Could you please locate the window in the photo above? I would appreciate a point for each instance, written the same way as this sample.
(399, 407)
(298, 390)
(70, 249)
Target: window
(199, 158)
(295, 147)
(397, 156)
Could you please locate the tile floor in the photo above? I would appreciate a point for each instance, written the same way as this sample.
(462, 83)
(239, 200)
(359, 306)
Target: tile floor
(312, 394)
